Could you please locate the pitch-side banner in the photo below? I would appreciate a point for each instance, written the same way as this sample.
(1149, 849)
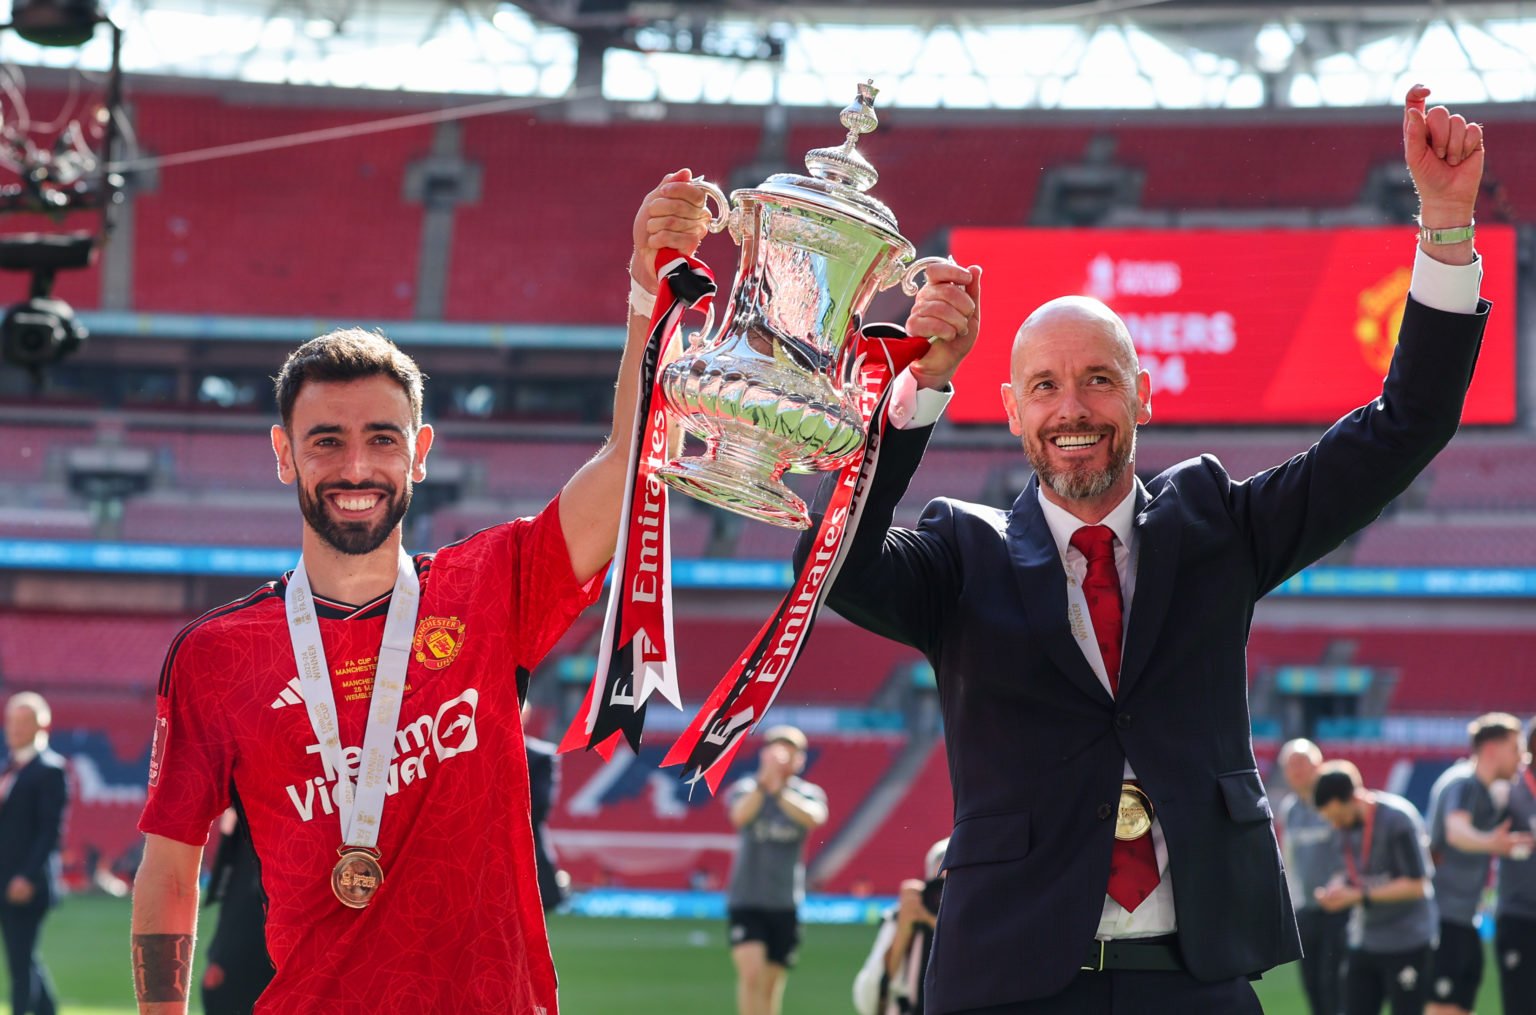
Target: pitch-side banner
(1250, 326)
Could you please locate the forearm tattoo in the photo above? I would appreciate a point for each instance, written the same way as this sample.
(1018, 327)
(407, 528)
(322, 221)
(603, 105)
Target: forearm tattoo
(162, 966)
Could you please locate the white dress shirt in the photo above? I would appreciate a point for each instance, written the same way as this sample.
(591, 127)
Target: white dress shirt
(1155, 914)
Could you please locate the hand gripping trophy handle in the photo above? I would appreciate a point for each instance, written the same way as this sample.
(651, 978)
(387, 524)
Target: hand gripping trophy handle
(908, 277)
(726, 217)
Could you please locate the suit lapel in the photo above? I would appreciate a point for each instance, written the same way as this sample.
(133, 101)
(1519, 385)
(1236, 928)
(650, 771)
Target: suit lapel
(1159, 525)
(1043, 583)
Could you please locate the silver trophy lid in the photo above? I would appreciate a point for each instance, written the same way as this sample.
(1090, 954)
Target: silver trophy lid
(841, 176)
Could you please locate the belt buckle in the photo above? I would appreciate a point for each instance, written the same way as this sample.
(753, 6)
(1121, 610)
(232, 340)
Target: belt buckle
(1099, 967)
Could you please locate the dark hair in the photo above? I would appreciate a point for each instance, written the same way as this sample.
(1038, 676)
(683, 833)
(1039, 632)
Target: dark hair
(347, 354)
(1336, 780)
(1494, 726)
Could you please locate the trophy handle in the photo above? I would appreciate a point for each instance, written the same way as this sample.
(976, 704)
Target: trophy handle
(720, 221)
(909, 277)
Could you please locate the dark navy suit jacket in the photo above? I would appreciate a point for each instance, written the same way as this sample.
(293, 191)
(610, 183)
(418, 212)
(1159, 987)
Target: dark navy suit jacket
(1036, 745)
(31, 821)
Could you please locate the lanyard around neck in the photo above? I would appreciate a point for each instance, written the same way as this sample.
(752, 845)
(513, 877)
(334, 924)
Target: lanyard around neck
(359, 807)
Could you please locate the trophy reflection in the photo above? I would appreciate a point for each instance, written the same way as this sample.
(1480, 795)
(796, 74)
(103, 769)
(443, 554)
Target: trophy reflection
(775, 390)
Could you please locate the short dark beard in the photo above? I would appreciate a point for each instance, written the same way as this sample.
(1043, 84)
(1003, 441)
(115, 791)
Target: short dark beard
(1083, 484)
(353, 538)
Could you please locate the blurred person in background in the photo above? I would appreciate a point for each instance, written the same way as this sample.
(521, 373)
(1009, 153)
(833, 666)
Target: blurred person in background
(1514, 943)
(891, 980)
(1312, 861)
(1468, 827)
(1386, 889)
(34, 794)
(543, 791)
(774, 811)
(239, 968)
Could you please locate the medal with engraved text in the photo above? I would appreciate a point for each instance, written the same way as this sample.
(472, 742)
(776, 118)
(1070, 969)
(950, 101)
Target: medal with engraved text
(356, 876)
(1135, 817)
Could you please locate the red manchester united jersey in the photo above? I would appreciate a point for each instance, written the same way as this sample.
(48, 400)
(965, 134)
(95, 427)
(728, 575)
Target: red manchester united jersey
(456, 926)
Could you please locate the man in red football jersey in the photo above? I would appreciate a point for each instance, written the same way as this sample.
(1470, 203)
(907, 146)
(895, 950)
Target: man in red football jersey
(364, 708)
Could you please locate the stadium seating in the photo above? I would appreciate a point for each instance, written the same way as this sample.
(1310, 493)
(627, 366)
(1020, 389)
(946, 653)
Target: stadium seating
(549, 240)
(121, 652)
(1432, 543)
(206, 522)
(32, 453)
(200, 459)
(319, 229)
(895, 850)
(839, 664)
(627, 823)
(1483, 475)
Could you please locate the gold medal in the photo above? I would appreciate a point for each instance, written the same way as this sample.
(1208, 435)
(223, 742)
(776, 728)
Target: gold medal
(356, 877)
(1135, 817)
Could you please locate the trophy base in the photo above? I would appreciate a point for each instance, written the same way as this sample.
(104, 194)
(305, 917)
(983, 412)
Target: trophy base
(724, 484)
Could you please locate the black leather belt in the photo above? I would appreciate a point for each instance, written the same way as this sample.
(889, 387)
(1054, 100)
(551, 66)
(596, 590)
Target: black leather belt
(1147, 954)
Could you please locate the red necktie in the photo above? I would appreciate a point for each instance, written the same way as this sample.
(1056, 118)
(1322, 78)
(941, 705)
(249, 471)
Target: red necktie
(1101, 586)
(1132, 865)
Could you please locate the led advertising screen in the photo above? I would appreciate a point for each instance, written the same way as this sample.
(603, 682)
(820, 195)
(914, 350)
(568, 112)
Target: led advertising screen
(1259, 326)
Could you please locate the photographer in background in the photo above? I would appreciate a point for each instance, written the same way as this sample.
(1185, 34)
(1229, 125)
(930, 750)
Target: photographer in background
(891, 982)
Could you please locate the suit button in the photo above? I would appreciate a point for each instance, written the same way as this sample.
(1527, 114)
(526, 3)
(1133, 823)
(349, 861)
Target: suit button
(1123, 720)
(1105, 811)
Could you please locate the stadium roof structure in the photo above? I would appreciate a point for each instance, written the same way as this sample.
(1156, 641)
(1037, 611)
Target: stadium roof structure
(1006, 54)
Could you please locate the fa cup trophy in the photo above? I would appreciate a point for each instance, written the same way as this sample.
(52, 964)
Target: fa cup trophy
(775, 389)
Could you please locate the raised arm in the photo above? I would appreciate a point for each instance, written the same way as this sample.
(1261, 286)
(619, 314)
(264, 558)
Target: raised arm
(1301, 510)
(671, 216)
(894, 581)
(164, 924)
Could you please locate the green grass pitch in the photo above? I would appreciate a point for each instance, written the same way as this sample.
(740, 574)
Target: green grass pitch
(607, 966)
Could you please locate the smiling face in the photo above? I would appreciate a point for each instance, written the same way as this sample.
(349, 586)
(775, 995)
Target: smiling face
(1075, 398)
(352, 451)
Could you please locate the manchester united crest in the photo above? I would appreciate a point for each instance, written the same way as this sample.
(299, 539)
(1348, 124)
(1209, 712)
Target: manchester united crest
(437, 641)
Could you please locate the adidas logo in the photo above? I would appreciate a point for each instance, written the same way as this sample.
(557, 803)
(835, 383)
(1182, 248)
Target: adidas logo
(290, 695)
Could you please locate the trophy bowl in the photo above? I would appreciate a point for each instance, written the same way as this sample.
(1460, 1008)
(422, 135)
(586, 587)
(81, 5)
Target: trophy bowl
(776, 388)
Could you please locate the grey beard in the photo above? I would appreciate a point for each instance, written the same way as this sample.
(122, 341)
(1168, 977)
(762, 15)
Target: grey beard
(1079, 485)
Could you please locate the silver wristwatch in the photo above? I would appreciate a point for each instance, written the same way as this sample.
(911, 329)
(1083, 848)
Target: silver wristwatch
(1442, 237)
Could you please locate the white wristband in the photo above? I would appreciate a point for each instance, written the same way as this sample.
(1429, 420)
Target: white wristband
(641, 303)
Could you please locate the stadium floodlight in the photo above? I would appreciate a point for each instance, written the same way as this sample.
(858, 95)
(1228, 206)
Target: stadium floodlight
(56, 22)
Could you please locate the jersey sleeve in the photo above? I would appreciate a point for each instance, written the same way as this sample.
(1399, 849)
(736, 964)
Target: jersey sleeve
(192, 758)
(547, 598)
